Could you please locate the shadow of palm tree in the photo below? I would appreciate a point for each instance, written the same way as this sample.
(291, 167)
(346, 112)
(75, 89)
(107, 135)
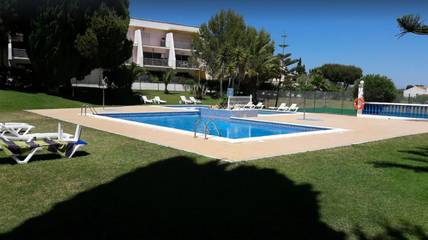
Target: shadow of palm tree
(179, 199)
(417, 169)
(419, 155)
(402, 231)
(420, 151)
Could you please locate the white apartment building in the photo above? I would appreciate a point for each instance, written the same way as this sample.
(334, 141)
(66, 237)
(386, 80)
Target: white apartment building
(15, 54)
(415, 91)
(157, 46)
(160, 45)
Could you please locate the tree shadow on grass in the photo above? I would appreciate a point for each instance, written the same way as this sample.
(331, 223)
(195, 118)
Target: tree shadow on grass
(390, 232)
(180, 199)
(416, 169)
(418, 155)
(42, 157)
(420, 152)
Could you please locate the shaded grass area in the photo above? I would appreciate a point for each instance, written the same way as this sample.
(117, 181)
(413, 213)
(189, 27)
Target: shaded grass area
(124, 188)
(174, 97)
(16, 101)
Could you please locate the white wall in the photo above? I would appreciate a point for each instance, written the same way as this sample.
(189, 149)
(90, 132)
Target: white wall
(160, 86)
(414, 91)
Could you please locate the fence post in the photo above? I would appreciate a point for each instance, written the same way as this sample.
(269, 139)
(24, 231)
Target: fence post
(325, 101)
(304, 105)
(315, 99)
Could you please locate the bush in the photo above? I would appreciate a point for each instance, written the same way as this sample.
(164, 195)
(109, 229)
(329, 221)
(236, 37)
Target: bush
(423, 99)
(338, 73)
(377, 88)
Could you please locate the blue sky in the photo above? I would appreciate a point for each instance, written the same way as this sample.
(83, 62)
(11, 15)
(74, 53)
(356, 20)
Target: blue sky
(361, 33)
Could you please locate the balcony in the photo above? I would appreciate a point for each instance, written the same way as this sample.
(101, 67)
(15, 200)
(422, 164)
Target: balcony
(185, 64)
(156, 62)
(183, 44)
(19, 53)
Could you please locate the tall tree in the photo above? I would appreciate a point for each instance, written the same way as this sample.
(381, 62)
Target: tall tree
(69, 38)
(412, 24)
(338, 73)
(217, 41)
(259, 62)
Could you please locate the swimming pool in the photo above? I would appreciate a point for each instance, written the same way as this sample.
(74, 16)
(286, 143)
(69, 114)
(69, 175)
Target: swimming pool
(230, 128)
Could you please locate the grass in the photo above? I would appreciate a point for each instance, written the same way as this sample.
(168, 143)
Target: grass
(124, 188)
(16, 101)
(174, 97)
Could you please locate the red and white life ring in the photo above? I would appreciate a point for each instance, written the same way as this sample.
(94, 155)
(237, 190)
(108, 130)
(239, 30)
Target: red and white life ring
(359, 103)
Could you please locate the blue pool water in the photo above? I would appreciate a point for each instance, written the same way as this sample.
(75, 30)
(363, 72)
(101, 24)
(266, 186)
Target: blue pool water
(227, 127)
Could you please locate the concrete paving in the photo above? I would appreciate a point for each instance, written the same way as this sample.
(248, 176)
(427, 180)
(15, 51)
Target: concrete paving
(358, 130)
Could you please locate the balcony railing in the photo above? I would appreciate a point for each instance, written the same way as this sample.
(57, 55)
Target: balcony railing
(156, 61)
(185, 64)
(396, 110)
(183, 44)
(19, 53)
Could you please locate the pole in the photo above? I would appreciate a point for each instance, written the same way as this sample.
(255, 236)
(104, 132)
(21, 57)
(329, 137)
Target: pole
(283, 54)
(304, 106)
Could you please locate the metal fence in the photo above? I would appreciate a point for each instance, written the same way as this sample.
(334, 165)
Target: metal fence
(311, 101)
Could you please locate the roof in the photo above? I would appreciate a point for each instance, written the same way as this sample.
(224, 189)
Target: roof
(138, 22)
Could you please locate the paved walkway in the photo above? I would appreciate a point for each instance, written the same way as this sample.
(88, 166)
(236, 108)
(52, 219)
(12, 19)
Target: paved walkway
(359, 130)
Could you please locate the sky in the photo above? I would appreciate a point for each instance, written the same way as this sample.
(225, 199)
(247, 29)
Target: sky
(361, 33)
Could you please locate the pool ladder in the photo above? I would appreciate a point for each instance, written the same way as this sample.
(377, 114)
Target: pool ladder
(206, 128)
(87, 108)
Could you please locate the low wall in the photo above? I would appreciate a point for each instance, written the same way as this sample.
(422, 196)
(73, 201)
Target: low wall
(175, 87)
(206, 112)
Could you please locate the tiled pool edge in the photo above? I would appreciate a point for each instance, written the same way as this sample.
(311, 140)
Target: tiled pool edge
(323, 130)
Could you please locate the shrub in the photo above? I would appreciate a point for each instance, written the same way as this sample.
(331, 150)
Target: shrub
(377, 88)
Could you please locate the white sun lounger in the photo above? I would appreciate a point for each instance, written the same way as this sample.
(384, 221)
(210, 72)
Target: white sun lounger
(249, 105)
(282, 107)
(158, 100)
(75, 142)
(146, 100)
(12, 134)
(23, 128)
(183, 100)
(194, 100)
(259, 105)
(293, 108)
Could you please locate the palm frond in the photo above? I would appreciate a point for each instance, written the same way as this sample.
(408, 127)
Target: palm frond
(412, 24)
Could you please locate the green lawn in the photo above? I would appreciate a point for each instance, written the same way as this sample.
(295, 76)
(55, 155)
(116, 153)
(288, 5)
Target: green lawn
(120, 188)
(174, 97)
(16, 101)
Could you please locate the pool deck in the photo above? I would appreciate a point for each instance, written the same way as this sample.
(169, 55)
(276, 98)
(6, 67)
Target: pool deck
(358, 130)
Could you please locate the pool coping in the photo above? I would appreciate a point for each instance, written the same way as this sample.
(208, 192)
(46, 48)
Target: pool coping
(360, 130)
(323, 130)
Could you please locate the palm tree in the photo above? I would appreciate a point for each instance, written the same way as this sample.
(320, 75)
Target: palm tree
(167, 77)
(261, 63)
(412, 24)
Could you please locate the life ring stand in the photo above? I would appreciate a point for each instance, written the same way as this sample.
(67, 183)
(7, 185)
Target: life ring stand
(359, 103)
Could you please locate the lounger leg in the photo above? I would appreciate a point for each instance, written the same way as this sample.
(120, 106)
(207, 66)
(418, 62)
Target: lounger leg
(75, 148)
(28, 158)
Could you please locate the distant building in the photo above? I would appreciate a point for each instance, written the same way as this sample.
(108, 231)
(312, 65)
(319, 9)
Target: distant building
(157, 46)
(415, 91)
(160, 45)
(15, 55)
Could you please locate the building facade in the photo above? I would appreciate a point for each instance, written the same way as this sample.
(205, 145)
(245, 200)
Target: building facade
(15, 54)
(415, 91)
(159, 45)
